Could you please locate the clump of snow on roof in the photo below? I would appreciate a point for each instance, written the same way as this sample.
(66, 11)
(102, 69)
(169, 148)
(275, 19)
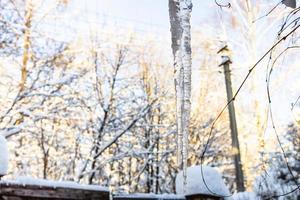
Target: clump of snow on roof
(195, 184)
(53, 184)
(3, 156)
(244, 196)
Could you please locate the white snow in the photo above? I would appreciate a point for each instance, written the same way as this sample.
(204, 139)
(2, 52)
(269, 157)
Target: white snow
(245, 196)
(195, 184)
(225, 59)
(12, 130)
(54, 184)
(3, 156)
(152, 195)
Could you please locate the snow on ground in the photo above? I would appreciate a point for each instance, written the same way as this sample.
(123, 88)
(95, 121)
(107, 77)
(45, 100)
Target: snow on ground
(3, 156)
(195, 184)
(55, 184)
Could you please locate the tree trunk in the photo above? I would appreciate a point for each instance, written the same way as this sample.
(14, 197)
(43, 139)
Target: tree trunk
(28, 19)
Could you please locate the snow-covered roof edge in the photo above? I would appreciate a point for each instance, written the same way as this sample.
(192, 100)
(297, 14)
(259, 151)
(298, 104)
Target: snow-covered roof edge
(28, 181)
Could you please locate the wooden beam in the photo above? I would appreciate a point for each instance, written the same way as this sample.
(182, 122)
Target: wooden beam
(28, 192)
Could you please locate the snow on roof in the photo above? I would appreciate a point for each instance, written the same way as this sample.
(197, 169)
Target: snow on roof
(150, 195)
(244, 196)
(195, 184)
(3, 156)
(54, 184)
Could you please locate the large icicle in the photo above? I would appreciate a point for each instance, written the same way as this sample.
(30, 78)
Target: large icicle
(180, 13)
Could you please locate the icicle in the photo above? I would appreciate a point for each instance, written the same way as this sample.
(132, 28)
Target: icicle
(186, 8)
(180, 13)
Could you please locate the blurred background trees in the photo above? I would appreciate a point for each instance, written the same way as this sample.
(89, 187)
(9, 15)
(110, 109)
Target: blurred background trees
(98, 107)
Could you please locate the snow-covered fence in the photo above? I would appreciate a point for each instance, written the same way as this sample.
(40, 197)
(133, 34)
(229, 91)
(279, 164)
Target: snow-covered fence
(37, 189)
(31, 189)
(165, 197)
(149, 197)
(203, 183)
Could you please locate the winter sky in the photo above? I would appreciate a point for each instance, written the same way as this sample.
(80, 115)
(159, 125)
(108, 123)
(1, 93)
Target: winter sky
(146, 17)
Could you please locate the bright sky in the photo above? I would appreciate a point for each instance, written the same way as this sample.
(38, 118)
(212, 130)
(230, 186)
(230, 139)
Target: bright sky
(145, 17)
(142, 14)
(148, 11)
